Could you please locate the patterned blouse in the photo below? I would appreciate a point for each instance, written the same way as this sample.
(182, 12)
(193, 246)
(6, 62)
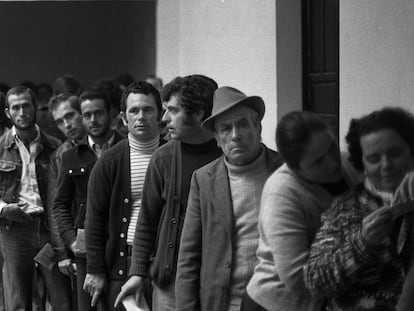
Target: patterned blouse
(353, 275)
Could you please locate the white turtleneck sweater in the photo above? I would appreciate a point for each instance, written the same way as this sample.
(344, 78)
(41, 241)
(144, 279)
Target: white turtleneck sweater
(139, 154)
(246, 184)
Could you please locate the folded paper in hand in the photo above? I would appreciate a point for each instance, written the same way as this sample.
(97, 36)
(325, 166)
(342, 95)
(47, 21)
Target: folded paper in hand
(131, 305)
(80, 246)
(46, 257)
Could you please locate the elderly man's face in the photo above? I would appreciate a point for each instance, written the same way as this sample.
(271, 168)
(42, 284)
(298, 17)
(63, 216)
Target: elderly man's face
(237, 132)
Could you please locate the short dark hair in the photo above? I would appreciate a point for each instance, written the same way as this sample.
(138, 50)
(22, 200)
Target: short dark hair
(141, 87)
(112, 90)
(124, 79)
(2, 106)
(194, 93)
(154, 77)
(293, 133)
(93, 94)
(19, 90)
(392, 118)
(55, 101)
(46, 86)
(67, 84)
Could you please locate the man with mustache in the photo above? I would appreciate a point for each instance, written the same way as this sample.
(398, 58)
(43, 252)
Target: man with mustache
(115, 192)
(24, 161)
(71, 194)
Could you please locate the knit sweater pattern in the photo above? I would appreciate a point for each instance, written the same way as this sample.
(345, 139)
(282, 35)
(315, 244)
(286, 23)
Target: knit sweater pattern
(246, 184)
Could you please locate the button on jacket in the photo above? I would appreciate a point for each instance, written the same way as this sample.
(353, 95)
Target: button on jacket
(70, 201)
(11, 168)
(108, 213)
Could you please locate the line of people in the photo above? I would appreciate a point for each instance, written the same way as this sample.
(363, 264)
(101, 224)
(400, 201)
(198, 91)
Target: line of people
(210, 218)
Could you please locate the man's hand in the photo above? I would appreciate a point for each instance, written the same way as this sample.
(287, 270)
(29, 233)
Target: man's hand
(14, 212)
(95, 284)
(133, 286)
(376, 226)
(67, 267)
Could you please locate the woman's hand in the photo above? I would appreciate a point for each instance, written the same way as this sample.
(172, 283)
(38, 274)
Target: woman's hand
(405, 191)
(376, 226)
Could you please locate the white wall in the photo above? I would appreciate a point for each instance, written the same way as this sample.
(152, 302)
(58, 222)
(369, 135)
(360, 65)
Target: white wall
(232, 41)
(289, 56)
(376, 57)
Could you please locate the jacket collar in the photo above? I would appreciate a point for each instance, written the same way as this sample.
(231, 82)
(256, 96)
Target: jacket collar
(84, 140)
(10, 142)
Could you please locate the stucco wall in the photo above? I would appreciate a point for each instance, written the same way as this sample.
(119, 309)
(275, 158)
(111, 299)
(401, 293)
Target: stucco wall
(232, 41)
(376, 57)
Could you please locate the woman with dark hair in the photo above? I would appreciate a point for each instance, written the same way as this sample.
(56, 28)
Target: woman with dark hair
(292, 201)
(360, 253)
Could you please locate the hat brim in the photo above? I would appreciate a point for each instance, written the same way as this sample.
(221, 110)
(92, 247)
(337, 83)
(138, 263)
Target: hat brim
(254, 102)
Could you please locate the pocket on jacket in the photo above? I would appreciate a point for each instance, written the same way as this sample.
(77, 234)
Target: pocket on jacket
(80, 211)
(7, 166)
(8, 171)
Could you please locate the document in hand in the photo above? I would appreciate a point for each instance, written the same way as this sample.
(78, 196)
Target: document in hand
(131, 305)
(80, 243)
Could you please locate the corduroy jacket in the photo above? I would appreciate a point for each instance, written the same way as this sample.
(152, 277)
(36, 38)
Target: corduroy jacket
(206, 253)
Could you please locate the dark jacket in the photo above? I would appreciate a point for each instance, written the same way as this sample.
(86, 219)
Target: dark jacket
(11, 168)
(52, 181)
(108, 213)
(204, 265)
(70, 203)
(159, 226)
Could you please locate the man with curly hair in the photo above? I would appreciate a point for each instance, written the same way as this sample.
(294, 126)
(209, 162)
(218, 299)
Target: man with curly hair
(187, 102)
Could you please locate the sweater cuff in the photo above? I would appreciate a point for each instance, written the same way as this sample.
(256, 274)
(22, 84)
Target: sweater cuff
(94, 269)
(61, 253)
(362, 251)
(140, 269)
(69, 237)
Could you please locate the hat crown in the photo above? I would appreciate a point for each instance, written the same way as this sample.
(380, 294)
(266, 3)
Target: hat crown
(226, 95)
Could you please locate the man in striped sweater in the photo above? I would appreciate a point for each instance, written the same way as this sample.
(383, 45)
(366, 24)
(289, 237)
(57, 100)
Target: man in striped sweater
(114, 193)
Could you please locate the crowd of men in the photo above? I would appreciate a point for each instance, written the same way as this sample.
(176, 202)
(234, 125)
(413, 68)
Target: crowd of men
(103, 214)
(134, 191)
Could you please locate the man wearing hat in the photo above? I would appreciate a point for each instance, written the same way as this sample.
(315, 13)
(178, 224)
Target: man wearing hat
(220, 237)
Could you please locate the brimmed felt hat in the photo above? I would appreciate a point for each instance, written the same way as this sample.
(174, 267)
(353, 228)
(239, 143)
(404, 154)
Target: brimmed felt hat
(227, 97)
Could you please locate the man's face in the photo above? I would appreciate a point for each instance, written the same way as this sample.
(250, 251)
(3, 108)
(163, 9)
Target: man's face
(141, 115)
(21, 111)
(68, 120)
(95, 117)
(321, 162)
(180, 125)
(238, 135)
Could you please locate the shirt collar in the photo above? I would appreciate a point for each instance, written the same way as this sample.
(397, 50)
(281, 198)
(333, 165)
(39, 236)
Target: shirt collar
(109, 142)
(16, 137)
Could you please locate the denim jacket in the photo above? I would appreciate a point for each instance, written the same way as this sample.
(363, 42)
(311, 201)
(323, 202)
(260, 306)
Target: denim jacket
(11, 168)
